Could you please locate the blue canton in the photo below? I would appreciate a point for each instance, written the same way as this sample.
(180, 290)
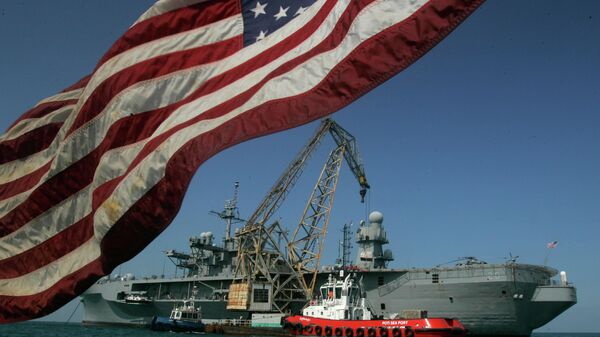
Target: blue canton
(263, 17)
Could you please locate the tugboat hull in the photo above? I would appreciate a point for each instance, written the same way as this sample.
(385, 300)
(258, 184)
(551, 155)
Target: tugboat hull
(160, 323)
(426, 327)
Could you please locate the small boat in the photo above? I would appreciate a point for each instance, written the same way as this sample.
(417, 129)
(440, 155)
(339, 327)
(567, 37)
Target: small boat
(342, 310)
(138, 298)
(185, 317)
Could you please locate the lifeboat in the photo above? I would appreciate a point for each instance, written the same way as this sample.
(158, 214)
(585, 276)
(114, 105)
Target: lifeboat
(341, 310)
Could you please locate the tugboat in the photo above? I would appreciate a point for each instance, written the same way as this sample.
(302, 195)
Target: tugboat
(185, 317)
(342, 310)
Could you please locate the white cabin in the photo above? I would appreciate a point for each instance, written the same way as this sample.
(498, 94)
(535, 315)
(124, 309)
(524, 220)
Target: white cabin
(339, 300)
(186, 312)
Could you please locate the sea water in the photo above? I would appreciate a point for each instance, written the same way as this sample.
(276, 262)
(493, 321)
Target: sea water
(49, 329)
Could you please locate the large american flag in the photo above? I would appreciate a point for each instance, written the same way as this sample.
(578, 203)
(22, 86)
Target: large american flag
(90, 176)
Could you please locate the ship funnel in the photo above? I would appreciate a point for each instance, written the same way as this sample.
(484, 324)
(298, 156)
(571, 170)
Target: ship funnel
(563, 278)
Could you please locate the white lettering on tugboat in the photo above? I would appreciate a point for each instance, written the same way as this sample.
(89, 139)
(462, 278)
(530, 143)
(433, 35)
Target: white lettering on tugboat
(401, 323)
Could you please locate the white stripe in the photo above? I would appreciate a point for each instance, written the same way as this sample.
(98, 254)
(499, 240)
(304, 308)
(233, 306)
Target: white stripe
(16, 169)
(9, 204)
(63, 96)
(31, 124)
(53, 221)
(202, 36)
(42, 279)
(164, 6)
(151, 169)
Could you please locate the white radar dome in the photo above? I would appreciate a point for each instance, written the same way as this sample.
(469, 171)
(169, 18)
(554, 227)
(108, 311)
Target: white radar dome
(376, 217)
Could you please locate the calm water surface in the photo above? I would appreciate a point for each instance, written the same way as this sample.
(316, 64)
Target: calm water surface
(46, 329)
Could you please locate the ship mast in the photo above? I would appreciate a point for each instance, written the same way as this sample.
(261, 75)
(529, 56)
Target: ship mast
(230, 213)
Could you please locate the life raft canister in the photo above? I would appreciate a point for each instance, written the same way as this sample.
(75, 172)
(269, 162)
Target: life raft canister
(396, 332)
(349, 332)
(383, 332)
(338, 331)
(371, 332)
(328, 331)
(318, 330)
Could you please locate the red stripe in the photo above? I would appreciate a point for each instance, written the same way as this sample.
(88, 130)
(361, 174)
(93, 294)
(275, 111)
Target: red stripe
(79, 84)
(28, 143)
(42, 110)
(48, 251)
(150, 69)
(155, 211)
(10, 189)
(18, 308)
(173, 22)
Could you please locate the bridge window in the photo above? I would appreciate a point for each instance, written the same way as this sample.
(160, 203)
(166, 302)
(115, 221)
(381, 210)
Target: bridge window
(435, 278)
(382, 306)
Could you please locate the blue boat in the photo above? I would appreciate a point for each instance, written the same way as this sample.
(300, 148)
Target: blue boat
(184, 318)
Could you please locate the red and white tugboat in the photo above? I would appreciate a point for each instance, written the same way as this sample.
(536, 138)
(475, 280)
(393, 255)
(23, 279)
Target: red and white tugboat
(341, 310)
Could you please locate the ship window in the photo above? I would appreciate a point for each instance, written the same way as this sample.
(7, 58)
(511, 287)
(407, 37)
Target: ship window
(380, 280)
(435, 278)
(338, 292)
(503, 292)
(382, 306)
(451, 299)
(261, 295)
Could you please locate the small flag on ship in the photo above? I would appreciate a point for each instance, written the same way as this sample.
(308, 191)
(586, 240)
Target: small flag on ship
(552, 245)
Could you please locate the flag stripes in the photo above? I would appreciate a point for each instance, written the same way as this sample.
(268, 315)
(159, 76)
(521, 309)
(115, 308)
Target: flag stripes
(159, 105)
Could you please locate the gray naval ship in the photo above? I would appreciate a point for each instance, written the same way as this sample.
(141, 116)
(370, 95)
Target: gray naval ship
(489, 299)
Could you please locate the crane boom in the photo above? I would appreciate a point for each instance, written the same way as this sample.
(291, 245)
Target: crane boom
(262, 264)
(351, 154)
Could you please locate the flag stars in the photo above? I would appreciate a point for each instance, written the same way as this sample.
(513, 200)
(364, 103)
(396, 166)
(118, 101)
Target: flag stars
(259, 9)
(282, 13)
(301, 10)
(261, 36)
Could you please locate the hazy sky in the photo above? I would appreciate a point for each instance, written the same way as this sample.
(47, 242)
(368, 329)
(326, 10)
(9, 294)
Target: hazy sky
(488, 146)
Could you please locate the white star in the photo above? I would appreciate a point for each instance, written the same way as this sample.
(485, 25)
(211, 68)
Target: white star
(259, 9)
(261, 36)
(301, 10)
(282, 13)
